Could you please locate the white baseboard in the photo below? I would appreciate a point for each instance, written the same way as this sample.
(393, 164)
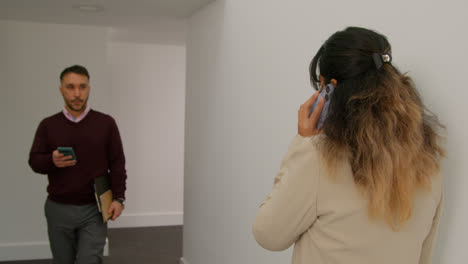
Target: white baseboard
(31, 250)
(148, 219)
(182, 260)
(24, 251)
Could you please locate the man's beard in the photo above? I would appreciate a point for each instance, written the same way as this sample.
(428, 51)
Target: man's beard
(70, 104)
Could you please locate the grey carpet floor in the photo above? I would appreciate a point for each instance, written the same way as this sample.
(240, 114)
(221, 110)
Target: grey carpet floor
(142, 245)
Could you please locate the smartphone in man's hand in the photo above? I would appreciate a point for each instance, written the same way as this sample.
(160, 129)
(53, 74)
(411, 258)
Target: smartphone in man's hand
(67, 151)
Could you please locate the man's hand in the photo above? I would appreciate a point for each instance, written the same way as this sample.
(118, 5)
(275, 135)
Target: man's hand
(61, 161)
(115, 209)
(307, 126)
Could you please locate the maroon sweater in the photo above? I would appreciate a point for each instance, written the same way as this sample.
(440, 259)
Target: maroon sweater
(98, 149)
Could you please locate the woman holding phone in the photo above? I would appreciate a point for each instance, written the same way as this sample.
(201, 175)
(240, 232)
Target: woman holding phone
(365, 187)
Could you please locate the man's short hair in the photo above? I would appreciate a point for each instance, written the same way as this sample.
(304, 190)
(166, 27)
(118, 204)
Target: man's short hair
(78, 69)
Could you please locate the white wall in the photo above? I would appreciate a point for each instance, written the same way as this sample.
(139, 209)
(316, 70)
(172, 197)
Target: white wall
(147, 91)
(32, 56)
(247, 74)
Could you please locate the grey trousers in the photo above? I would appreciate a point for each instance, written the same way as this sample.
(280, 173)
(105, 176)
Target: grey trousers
(77, 234)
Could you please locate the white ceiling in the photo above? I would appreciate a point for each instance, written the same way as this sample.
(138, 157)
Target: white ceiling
(121, 13)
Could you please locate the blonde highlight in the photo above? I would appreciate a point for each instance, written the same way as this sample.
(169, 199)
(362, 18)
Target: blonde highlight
(391, 143)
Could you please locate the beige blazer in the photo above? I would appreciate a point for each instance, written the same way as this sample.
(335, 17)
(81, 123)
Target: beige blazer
(327, 219)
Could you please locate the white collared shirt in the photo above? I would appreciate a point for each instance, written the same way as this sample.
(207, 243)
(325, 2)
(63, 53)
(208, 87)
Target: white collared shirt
(70, 117)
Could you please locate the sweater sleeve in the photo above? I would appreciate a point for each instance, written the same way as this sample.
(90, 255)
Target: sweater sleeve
(118, 174)
(428, 244)
(40, 156)
(290, 208)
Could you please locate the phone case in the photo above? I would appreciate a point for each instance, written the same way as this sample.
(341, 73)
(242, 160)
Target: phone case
(325, 93)
(67, 151)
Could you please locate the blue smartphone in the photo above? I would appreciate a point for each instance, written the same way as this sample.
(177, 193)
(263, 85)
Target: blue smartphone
(326, 94)
(67, 151)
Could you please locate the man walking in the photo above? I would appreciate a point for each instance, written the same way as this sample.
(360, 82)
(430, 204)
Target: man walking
(76, 230)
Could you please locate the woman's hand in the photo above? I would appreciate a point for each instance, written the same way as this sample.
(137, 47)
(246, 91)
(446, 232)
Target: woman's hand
(307, 126)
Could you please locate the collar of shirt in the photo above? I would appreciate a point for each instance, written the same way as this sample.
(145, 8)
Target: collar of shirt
(72, 118)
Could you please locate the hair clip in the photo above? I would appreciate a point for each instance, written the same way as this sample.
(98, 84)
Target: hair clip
(386, 58)
(380, 59)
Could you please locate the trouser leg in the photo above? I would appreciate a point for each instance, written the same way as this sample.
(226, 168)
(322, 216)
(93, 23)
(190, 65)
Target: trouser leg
(61, 232)
(91, 235)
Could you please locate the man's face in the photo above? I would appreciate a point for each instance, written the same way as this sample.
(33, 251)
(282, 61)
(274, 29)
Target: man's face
(75, 91)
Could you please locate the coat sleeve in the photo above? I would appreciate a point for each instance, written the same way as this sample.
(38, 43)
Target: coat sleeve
(291, 207)
(428, 245)
(40, 156)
